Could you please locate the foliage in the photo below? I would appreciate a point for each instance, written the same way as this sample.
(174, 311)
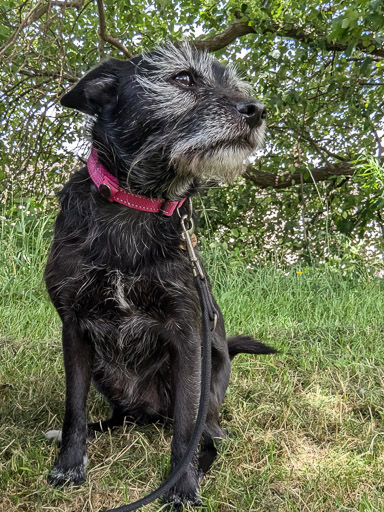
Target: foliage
(337, 223)
(318, 66)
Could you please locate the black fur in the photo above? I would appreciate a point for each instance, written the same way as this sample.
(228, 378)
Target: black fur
(118, 277)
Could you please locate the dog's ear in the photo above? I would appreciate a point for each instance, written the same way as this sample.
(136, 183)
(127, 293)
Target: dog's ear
(97, 88)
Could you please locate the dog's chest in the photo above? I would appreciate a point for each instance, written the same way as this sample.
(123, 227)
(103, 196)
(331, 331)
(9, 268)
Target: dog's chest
(133, 315)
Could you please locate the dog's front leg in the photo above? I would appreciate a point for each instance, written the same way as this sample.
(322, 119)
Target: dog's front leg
(78, 362)
(185, 383)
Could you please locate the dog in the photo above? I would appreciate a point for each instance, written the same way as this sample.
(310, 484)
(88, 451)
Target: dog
(163, 124)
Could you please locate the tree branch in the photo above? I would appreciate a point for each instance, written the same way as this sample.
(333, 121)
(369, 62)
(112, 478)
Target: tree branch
(320, 149)
(290, 30)
(222, 39)
(105, 36)
(35, 73)
(264, 179)
(35, 14)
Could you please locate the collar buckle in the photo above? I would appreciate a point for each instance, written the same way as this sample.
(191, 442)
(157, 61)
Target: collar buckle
(105, 191)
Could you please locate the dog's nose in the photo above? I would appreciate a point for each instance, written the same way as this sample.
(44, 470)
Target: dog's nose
(254, 113)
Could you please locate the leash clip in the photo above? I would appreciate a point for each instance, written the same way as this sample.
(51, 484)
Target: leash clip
(189, 238)
(187, 232)
(188, 227)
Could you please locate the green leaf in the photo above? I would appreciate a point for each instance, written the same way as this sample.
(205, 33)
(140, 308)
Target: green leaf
(345, 23)
(366, 65)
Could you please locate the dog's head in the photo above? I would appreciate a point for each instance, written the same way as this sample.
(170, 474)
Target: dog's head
(174, 112)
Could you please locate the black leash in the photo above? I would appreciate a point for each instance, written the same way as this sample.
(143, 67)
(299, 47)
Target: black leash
(209, 319)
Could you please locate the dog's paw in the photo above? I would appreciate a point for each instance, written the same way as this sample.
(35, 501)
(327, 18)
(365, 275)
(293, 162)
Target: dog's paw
(177, 502)
(74, 475)
(55, 435)
(184, 507)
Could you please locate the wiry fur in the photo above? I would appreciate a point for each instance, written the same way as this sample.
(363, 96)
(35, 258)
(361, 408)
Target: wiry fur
(118, 277)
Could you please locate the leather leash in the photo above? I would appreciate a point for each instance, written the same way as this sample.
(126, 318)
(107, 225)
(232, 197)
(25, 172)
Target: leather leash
(209, 321)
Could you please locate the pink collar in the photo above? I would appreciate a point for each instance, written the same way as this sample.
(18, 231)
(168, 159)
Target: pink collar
(109, 188)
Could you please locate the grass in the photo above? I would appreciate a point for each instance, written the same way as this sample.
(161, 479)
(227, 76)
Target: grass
(306, 426)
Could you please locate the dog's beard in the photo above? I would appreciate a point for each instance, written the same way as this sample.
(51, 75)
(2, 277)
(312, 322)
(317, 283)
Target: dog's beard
(207, 155)
(220, 164)
(219, 161)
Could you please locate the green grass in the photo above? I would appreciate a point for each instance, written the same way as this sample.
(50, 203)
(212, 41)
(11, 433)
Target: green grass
(306, 426)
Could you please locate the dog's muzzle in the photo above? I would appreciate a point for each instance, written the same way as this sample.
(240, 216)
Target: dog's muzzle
(254, 113)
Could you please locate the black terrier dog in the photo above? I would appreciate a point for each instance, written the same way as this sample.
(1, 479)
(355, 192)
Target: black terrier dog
(164, 123)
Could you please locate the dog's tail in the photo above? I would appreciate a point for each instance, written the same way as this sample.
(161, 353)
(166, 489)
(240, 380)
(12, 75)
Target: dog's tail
(247, 345)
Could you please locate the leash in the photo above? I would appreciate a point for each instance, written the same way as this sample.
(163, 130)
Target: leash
(209, 321)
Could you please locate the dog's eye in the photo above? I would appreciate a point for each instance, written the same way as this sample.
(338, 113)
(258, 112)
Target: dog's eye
(184, 78)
